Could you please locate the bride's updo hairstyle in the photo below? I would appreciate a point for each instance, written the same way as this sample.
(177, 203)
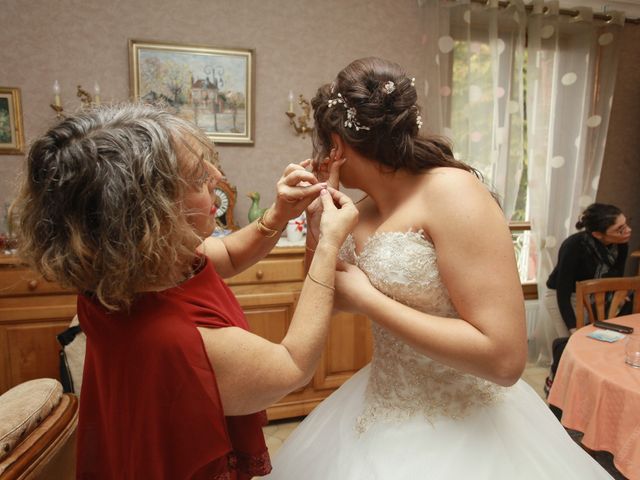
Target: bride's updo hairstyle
(372, 106)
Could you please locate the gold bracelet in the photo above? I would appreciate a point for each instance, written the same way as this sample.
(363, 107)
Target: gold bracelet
(263, 229)
(307, 247)
(326, 285)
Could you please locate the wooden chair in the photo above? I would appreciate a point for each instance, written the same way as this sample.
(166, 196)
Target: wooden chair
(590, 293)
(38, 432)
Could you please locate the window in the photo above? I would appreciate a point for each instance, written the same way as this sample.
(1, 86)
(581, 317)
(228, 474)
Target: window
(488, 135)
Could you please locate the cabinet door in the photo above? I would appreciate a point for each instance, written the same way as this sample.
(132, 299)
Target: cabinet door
(348, 349)
(269, 314)
(31, 351)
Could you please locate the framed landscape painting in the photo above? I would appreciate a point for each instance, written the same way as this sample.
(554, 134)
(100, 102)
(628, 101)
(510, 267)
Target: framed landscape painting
(211, 87)
(11, 132)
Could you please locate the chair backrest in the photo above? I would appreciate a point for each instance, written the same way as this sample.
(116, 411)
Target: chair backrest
(607, 295)
(74, 346)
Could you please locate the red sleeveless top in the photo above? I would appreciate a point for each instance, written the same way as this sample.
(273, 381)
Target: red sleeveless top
(150, 406)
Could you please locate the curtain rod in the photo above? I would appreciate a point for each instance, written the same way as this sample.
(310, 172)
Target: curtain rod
(565, 11)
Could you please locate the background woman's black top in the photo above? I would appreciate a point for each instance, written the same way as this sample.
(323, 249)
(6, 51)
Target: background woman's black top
(578, 260)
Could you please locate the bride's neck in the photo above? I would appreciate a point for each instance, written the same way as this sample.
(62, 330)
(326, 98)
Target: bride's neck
(389, 190)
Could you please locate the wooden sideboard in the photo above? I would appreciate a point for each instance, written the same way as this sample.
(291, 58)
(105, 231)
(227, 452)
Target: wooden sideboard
(33, 311)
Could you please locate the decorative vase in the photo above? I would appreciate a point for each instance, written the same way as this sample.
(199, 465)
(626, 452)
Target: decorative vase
(296, 229)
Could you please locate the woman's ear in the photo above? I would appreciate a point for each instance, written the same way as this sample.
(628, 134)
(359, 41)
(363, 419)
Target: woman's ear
(598, 235)
(338, 143)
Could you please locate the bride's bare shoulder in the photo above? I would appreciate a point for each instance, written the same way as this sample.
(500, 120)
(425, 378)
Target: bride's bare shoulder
(454, 184)
(458, 196)
(451, 175)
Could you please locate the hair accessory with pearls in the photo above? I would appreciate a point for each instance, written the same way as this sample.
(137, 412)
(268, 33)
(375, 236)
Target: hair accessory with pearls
(389, 87)
(351, 120)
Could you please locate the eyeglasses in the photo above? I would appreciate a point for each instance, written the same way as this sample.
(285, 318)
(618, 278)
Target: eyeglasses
(620, 230)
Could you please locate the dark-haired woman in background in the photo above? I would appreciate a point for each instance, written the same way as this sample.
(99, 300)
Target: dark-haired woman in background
(431, 263)
(598, 250)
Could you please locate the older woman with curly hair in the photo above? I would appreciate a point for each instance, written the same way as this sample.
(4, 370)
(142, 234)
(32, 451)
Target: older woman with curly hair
(118, 203)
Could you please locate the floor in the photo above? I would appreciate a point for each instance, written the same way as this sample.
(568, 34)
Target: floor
(278, 431)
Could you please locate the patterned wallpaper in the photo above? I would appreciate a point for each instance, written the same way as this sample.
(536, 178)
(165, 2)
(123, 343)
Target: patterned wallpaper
(299, 45)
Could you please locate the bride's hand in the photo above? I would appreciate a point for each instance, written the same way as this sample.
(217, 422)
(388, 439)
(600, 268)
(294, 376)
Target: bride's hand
(353, 288)
(327, 171)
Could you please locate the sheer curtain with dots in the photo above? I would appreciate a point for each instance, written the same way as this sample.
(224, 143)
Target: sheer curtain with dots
(524, 93)
(474, 89)
(571, 70)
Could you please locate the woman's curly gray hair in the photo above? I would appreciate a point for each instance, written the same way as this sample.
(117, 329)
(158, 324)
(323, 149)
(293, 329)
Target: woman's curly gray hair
(100, 206)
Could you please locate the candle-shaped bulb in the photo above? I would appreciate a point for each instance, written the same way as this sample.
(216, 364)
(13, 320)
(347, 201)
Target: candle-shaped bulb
(96, 93)
(291, 100)
(56, 93)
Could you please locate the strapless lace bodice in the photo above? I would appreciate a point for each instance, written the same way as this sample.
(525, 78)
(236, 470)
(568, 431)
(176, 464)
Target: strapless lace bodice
(404, 382)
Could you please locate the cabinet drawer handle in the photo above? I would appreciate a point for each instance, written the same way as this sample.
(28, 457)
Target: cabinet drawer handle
(259, 274)
(33, 284)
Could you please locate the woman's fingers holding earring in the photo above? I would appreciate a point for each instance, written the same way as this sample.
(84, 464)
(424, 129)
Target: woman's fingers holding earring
(292, 167)
(305, 163)
(298, 177)
(299, 185)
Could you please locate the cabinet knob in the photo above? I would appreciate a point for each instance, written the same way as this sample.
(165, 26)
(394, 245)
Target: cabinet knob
(32, 284)
(259, 274)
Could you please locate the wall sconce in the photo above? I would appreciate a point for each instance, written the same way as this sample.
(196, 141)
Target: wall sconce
(301, 126)
(86, 99)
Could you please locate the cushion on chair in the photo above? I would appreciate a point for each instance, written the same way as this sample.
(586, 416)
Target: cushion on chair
(23, 408)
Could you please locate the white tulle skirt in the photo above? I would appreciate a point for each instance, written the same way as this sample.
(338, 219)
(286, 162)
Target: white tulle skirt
(515, 438)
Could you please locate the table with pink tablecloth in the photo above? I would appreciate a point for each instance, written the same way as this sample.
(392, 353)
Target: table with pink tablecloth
(599, 395)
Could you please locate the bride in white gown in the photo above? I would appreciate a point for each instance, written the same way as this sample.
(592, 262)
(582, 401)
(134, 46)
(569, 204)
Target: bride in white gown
(431, 263)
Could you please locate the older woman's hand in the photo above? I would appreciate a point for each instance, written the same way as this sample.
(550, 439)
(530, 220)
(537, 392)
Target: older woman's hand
(339, 217)
(326, 171)
(295, 190)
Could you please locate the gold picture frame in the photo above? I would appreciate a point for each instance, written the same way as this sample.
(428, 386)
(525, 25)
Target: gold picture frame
(11, 129)
(211, 87)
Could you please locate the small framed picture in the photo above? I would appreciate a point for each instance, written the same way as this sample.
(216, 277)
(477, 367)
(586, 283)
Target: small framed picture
(11, 130)
(211, 87)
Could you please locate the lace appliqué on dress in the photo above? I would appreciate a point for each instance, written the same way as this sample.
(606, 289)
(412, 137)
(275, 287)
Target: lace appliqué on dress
(403, 382)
